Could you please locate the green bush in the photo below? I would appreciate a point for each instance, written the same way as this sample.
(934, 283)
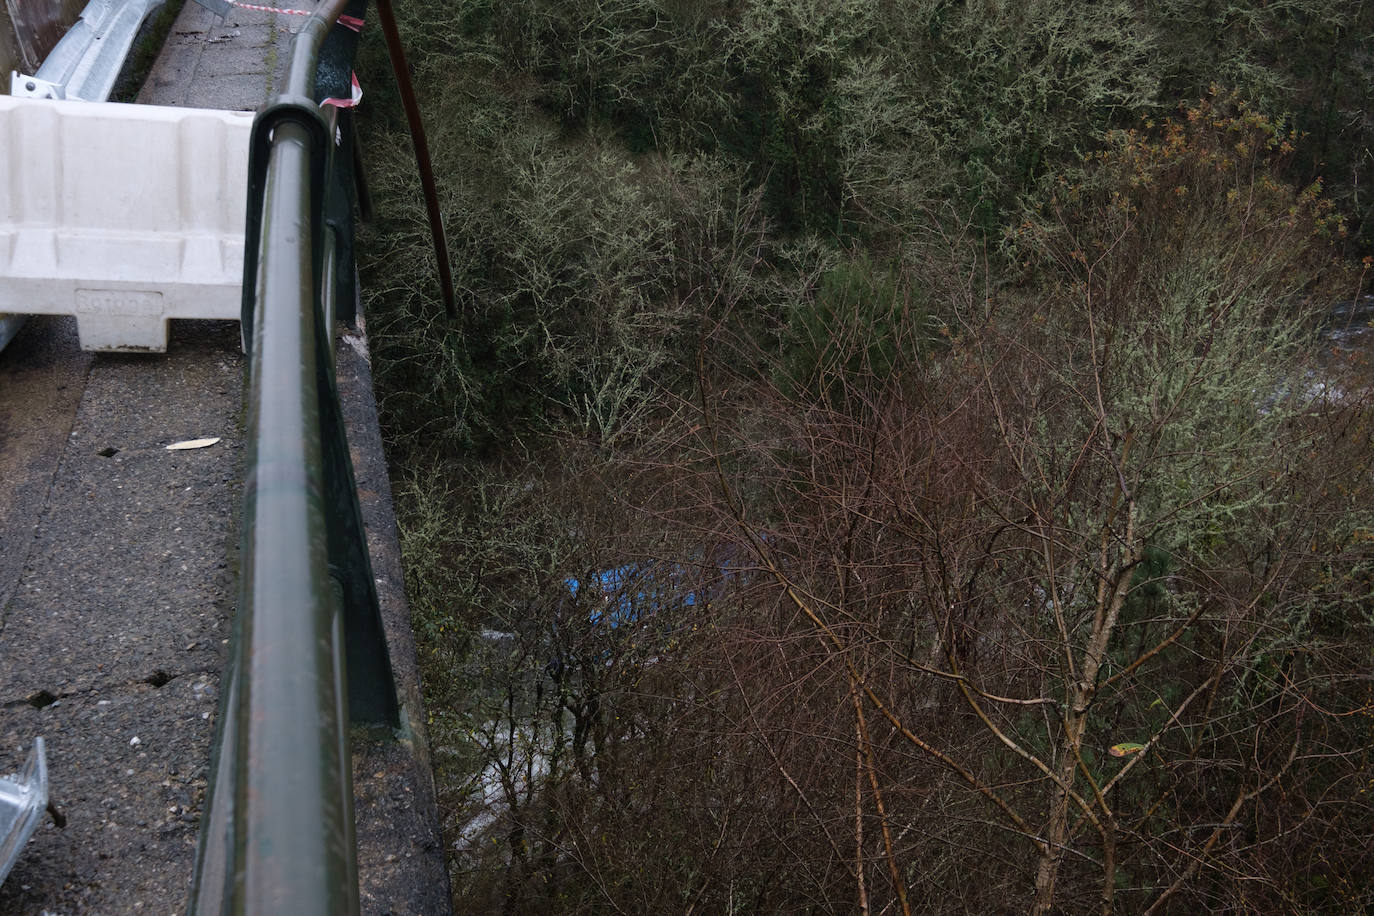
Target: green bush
(570, 262)
(864, 323)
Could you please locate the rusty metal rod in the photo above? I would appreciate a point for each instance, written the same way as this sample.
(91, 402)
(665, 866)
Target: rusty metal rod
(422, 161)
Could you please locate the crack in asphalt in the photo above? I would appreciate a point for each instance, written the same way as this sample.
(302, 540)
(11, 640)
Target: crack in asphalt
(41, 699)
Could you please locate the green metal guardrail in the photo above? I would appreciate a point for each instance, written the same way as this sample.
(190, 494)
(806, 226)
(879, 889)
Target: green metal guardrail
(308, 648)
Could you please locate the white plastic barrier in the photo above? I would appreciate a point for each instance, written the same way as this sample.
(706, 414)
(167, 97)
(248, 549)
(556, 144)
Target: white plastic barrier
(122, 215)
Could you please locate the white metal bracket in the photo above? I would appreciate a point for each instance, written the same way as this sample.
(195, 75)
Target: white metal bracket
(31, 87)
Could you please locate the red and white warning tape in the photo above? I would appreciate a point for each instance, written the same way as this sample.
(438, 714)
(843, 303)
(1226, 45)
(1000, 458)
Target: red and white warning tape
(348, 22)
(268, 9)
(354, 98)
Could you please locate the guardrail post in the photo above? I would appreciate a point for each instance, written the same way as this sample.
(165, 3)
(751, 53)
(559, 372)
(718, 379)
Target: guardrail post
(371, 685)
(341, 200)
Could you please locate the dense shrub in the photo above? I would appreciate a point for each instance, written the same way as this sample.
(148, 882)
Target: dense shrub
(573, 266)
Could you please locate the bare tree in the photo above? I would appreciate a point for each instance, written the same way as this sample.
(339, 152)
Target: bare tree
(1069, 550)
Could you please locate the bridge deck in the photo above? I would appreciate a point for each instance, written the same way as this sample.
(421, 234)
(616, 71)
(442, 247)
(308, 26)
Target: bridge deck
(117, 565)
